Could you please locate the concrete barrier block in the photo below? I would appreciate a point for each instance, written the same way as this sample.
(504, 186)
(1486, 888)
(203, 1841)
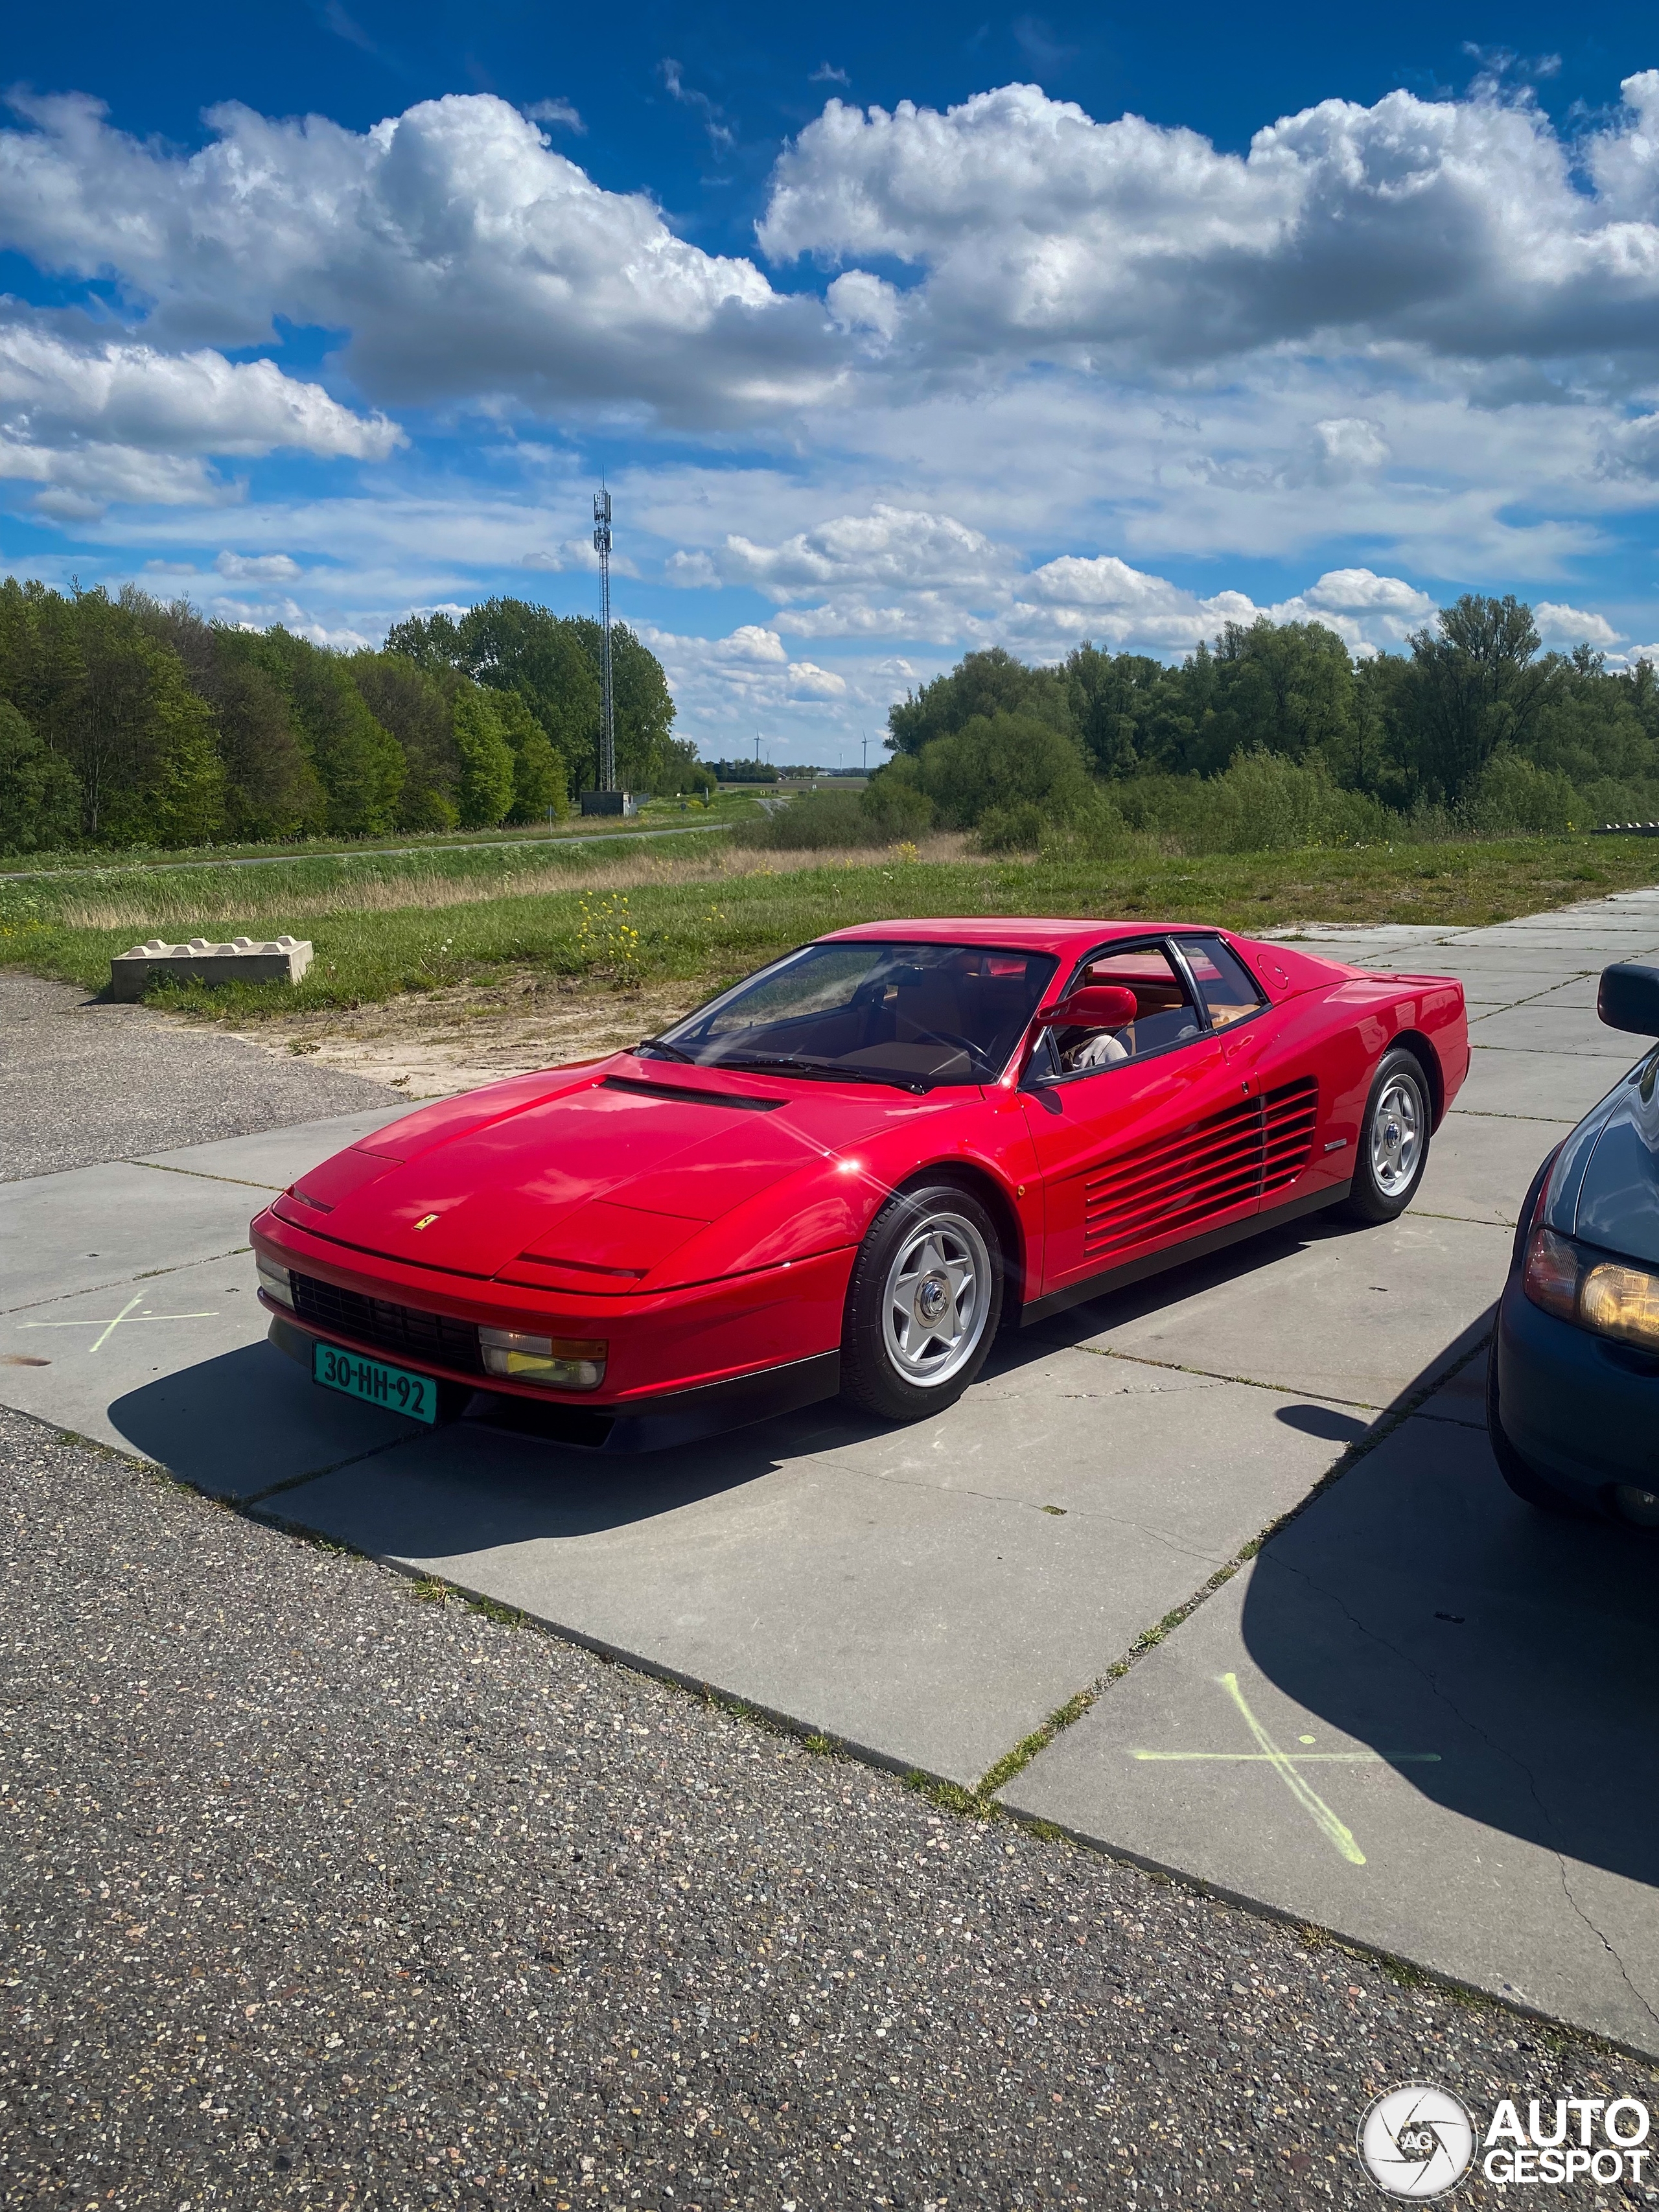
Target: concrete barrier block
(278, 960)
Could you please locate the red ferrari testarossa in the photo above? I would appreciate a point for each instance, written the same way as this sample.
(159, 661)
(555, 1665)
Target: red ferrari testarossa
(845, 1173)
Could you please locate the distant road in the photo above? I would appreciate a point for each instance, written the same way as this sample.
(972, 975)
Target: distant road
(373, 853)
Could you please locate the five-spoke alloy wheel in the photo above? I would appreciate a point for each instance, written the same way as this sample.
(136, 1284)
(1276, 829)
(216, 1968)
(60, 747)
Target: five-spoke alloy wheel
(924, 1303)
(1393, 1138)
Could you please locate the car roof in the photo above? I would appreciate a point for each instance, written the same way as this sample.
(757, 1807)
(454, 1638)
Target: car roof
(1021, 932)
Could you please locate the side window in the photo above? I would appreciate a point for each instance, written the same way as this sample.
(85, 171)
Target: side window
(1165, 1012)
(1223, 983)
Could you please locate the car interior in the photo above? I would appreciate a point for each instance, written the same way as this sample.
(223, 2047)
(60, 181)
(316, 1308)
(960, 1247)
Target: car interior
(1166, 1013)
(949, 1013)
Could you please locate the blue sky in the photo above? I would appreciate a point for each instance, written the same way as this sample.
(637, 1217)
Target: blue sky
(894, 332)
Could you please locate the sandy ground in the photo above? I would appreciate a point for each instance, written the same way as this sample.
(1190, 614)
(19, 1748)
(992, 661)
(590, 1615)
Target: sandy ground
(432, 1043)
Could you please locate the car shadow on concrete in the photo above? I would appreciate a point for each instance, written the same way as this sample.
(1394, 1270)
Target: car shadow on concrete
(250, 1422)
(1187, 1279)
(1420, 1608)
(237, 1424)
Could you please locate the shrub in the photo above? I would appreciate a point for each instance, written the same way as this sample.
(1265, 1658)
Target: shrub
(1020, 827)
(1263, 804)
(895, 801)
(811, 824)
(1511, 793)
(1000, 761)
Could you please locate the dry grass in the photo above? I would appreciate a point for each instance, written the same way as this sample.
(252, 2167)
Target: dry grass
(180, 907)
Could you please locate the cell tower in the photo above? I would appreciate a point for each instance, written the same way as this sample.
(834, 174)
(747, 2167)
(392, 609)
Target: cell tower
(607, 727)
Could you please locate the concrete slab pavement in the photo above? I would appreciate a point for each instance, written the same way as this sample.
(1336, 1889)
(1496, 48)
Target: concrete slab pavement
(1421, 1718)
(1358, 1315)
(1552, 1024)
(928, 1599)
(175, 1368)
(109, 1225)
(1538, 1086)
(1480, 1164)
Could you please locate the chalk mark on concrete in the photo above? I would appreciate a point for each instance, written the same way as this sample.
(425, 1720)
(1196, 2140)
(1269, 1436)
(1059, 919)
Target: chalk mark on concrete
(1287, 1765)
(109, 1324)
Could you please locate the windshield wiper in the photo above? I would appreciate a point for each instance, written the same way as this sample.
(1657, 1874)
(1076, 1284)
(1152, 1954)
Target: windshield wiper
(668, 1051)
(830, 1071)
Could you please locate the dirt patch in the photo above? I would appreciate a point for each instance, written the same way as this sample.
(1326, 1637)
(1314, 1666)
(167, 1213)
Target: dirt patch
(430, 1044)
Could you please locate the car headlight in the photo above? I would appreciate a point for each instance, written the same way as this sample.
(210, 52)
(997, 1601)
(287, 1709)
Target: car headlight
(559, 1363)
(1609, 1296)
(276, 1282)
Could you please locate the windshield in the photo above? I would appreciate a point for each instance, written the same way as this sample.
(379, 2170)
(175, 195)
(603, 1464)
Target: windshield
(915, 1014)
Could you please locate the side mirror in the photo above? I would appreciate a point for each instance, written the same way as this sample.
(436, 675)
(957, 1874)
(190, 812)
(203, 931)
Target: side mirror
(1109, 1006)
(1629, 998)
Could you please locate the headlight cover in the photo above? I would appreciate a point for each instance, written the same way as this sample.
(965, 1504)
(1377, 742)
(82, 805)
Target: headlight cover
(276, 1282)
(558, 1362)
(1609, 1298)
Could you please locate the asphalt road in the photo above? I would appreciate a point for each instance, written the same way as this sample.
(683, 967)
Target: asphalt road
(84, 1081)
(359, 852)
(318, 1893)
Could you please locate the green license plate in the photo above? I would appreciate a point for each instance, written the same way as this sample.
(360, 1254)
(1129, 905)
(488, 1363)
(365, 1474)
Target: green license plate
(376, 1383)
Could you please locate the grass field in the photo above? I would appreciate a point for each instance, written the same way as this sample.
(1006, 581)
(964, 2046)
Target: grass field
(683, 913)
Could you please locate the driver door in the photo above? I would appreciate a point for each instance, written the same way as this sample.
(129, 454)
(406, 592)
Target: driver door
(1142, 1152)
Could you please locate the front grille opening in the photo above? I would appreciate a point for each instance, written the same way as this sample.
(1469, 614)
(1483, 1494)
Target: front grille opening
(394, 1329)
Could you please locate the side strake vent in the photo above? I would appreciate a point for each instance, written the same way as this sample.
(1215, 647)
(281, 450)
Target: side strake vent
(684, 1094)
(1231, 1159)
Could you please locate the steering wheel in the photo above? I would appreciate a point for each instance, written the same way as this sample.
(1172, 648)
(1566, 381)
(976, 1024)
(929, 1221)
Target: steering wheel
(953, 1038)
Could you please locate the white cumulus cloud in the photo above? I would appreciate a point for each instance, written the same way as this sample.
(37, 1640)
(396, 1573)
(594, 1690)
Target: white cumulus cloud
(258, 567)
(1457, 225)
(465, 257)
(1559, 624)
(94, 418)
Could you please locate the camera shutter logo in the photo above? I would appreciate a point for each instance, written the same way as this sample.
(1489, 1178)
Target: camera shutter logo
(1416, 2142)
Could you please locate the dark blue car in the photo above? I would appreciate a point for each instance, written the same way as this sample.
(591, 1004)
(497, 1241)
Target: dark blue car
(1573, 1388)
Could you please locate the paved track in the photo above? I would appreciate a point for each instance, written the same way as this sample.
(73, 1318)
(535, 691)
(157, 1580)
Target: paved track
(359, 852)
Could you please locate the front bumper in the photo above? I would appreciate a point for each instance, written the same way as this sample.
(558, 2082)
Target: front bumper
(658, 1341)
(1582, 1410)
(640, 1424)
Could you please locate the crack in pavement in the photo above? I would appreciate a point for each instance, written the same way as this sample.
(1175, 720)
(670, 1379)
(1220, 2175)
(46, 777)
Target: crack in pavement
(148, 1275)
(1215, 1375)
(202, 1174)
(314, 1474)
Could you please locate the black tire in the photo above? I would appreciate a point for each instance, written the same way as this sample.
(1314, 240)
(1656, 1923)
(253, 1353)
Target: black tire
(1384, 1181)
(898, 1273)
(1522, 1478)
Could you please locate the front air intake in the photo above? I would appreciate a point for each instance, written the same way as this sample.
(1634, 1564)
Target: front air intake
(420, 1336)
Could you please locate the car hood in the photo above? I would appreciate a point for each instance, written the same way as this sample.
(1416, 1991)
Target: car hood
(598, 1179)
(1605, 1186)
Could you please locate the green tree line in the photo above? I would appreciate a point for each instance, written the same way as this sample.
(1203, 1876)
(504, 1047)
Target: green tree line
(126, 721)
(1278, 734)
